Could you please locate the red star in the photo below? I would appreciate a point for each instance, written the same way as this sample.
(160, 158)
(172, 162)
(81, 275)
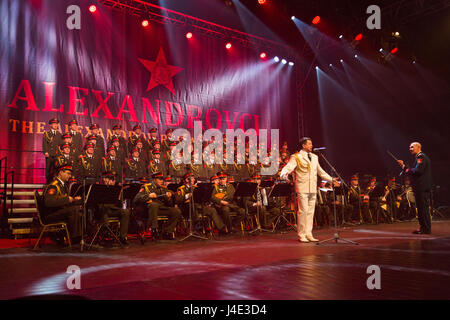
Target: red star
(162, 73)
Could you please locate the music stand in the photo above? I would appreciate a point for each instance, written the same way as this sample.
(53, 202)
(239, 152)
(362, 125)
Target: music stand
(194, 193)
(281, 190)
(336, 236)
(129, 193)
(103, 194)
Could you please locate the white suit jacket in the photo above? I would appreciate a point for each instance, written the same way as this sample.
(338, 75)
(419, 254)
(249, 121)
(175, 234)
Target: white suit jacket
(305, 172)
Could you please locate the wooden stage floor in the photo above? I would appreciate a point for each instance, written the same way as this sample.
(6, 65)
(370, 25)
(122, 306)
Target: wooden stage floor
(266, 266)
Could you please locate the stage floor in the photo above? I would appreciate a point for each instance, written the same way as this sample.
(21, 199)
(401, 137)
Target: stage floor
(267, 266)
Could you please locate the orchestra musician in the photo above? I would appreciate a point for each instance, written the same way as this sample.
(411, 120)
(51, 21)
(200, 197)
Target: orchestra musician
(157, 198)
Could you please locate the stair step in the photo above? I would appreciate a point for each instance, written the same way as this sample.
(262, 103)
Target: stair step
(20, 193)
(22, 210)
(25, 186)
(20, 220)
(21, 201)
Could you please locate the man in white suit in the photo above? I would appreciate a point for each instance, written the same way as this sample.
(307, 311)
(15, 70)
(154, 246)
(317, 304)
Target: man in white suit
(307, 167)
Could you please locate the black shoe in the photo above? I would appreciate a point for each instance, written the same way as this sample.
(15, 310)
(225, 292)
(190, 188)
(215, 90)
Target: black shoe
(167, 236)
(421, 232)
(124, 242)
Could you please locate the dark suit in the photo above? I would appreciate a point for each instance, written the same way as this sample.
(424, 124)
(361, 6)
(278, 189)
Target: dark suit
(421, 179)
(50, 144)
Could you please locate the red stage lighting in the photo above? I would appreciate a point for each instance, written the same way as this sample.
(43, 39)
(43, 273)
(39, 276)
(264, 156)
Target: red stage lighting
(145, 23)
(228, 45)
(261, 1)
(189, 35)
(316, 20)
(358, 37)
(394, 50)
(263, 55)
(92, 8)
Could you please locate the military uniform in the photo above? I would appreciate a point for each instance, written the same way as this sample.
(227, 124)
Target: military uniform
(65, 160)
(175, 170)
(266, 214)
(59, 208)
(113, 165)
(89, 167)
(355, 201)
(421, 181)
(183, 202)
(135, 169)
(51, 141)
(132, 140)
(158, 206)
(226, 193)
(156, 165)
(198, 170)
(121, 139)
(77, 139)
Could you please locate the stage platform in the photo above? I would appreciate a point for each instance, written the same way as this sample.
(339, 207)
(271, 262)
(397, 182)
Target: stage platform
(266, 266)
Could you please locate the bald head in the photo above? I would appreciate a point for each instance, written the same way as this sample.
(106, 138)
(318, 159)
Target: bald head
(415, 148)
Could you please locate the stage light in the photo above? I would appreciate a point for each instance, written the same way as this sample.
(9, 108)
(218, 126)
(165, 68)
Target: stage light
(414, 62)
(341, 36)
(331, 65)
(145, 23)
(92, 8)
(394, 50)
(283, 61)
(228, 45)
(291, 63)
(316, 20)
(317, 67)
(293, 17)
(261, 1)
(189, 35)
(276, 59)
(396, 34)
(263, 55)
(356, 56)
(358, 37)
(342, 60)
(381, 50)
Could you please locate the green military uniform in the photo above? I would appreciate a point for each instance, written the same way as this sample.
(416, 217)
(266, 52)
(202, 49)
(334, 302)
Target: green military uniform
(266, 213)
(198, 170)
(158, 206)
(156, 165)
(113, 165)
(135, 169)
(89, 167)
(112, 210)
(176, 170)
(205, 210)
(227, 191)
(58, 207)
(51, 141)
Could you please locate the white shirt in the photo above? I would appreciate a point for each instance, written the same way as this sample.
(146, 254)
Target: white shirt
(306, 172)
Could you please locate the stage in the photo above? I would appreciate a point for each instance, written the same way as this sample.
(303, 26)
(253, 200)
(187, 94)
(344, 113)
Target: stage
(262, 267)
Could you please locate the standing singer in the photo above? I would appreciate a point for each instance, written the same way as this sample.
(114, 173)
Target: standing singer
(306, 166)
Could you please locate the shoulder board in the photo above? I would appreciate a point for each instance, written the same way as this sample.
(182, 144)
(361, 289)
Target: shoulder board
(54, 183)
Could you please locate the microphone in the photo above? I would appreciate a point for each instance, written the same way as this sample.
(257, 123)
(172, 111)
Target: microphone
(319, 149)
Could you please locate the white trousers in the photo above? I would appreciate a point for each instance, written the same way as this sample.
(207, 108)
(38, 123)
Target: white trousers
(306, 203)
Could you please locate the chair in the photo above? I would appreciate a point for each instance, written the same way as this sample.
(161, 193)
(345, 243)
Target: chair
(48, 227)
(106, 225)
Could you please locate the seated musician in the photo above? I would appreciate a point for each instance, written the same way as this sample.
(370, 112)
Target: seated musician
(60, 206)
(158, 199)
(323, 213)
(355, 199)
(222, 197)
(260, 200)
(114, 210)
(184, 196)
(370, 202)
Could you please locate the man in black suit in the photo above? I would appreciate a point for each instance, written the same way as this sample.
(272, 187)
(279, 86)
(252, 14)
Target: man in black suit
(420, 174)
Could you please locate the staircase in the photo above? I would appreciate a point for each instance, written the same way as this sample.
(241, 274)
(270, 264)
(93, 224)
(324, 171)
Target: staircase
(22, 212)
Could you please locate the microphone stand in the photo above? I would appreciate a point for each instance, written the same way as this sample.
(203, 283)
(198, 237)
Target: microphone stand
(191, 211)
(336, 236)
(83, 218)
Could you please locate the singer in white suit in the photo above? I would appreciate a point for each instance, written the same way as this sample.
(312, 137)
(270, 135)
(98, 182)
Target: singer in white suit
(306, 167)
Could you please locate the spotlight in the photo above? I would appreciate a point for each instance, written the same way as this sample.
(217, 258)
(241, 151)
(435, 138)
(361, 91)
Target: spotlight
(342, 60)
(356, 56)
(276, 59)
(291, 63)
(381, 50)
(358, 37)
(293, 18)
(263, 55)
(92, 8)
(331, 65)
(228, 45)
(283, 61)
(189, 35)
(341, 36)
(316, 20)
(414, 62)
(396, 34)
(261, 1)
(145, 23)
(394, 50)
